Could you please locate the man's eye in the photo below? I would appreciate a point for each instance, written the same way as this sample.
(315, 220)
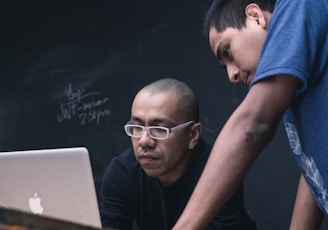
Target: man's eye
(226, 52)
(159, 130)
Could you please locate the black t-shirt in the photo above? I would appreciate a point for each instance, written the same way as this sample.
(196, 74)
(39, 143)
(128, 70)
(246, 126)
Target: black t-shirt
(127, 193)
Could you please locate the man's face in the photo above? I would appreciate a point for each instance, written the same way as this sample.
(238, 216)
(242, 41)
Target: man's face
(165, 159)
(238, 50)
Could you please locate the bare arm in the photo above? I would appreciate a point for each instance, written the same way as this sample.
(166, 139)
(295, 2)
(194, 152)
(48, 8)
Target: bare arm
(306, 214)
(249, 129)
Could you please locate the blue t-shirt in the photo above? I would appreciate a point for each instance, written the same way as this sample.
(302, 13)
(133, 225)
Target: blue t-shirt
(297, 45)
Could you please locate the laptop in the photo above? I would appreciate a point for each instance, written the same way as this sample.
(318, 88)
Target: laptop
(56, 183)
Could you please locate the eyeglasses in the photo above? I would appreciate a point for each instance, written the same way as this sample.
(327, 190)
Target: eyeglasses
(155, 132)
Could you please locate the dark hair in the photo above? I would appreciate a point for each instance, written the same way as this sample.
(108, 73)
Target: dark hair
(231, 13)
(188, 100)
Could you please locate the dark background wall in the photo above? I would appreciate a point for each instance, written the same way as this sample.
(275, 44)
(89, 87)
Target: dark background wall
(69, 72)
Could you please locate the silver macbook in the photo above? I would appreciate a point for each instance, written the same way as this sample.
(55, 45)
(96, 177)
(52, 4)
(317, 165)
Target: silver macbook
(57, 183)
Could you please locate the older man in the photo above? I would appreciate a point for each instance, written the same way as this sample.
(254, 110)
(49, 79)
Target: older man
(152, 181)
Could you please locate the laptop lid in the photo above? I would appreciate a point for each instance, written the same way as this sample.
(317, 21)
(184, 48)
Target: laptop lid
(57, 183)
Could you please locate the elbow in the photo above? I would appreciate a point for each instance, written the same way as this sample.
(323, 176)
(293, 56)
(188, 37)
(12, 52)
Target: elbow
(258, 133)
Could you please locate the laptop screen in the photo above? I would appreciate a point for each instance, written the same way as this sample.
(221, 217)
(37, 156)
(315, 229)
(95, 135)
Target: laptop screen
(57, 183)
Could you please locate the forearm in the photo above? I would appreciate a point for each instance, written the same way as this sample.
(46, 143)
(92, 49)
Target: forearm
(247, 132)
(215, 187)
(306, 214)
(232, 155)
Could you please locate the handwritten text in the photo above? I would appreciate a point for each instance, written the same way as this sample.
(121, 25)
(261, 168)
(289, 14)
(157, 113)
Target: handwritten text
(86, 106)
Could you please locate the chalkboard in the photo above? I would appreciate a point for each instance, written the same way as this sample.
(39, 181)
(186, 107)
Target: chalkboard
(69, 71)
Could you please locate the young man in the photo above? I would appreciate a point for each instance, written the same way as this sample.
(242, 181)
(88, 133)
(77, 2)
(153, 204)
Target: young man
(152, 181)
(280, 50)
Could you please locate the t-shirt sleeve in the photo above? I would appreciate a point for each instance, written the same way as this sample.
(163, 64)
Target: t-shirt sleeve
(295, 41)
(114, 206)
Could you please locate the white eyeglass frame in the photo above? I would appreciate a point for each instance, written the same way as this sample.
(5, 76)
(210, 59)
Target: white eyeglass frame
(168, 130)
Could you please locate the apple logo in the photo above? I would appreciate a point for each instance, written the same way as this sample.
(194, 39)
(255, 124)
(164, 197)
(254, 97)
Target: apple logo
(35, 204)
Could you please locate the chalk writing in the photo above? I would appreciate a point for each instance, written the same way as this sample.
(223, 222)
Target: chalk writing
(86, 106)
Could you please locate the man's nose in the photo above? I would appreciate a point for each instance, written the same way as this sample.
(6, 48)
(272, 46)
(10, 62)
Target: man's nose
(233, 73)
(146, 139)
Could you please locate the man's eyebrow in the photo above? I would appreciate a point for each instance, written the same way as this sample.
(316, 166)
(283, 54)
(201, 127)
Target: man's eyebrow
(217, 52)
(218, 55)
(154, 121)
(163, 121)
(134, 118)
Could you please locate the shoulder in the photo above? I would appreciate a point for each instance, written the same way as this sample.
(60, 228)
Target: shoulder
(200, 156)
(126, 157)
(124, 163)
(201, 153)
(203, 148)
(297, 56)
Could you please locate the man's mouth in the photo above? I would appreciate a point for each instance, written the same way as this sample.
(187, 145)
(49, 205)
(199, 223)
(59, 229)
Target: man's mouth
(246, 80)
(146, 159)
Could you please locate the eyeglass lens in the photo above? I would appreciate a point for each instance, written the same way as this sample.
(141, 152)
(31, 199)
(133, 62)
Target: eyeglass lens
(156, 132)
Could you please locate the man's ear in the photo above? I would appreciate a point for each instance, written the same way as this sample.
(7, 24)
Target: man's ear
(255, 13)
(195, 132)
